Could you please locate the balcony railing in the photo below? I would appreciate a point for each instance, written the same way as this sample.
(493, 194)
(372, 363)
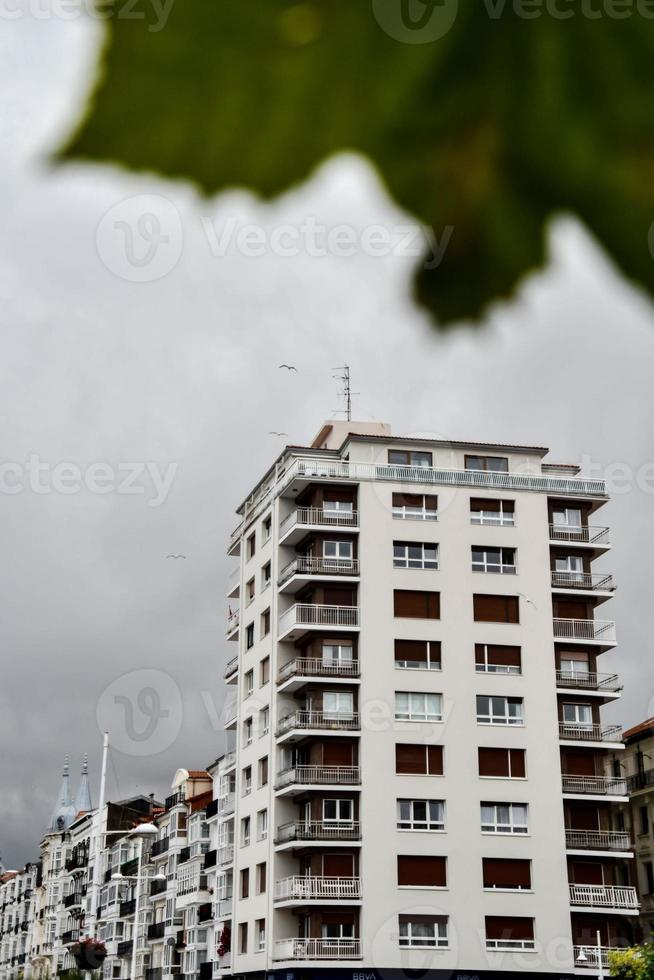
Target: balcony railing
(590, 733)
(319, 775)
(233, 620)
(594, 785)
(124, 947)
(579, 535)
(174, 800)
(640, 780)
(156, 930)
(299, 887)
(231, 667)
(312, 667)
(226, 854)
(300, 830)
(604, 896)
(597, 840)
(317, 949)
(158, 887)
(585, 629)
(160, 846)
(319, 567)
(226, 804)
(588, 680)
(318, 517)
(128, 907)
(586, 581)
(586, 957)
(306, 614)
(329, 721)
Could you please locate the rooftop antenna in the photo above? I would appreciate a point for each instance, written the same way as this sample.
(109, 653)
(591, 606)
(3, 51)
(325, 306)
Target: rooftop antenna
(346, 392)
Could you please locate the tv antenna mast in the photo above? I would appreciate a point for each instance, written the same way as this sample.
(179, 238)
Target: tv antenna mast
(346, 392)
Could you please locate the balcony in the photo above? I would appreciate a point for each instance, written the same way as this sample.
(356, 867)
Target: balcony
(175, 799)
(124, 948)
(583, 582)
(597, 537)
(302, 570)
(589, 681)
(226, 804)
(70, 901)
(300, 671)
(317, 949)
(210, 859)
(156, 930)
(293, 528)
(303, 617)
(317, 832)
(160, 846)
(594, 786)
(587, 958)
(226, 854)
(158, 888)
(590, 733)
(300, 778)
(299, 724)
(597, 840)
(234, 584)
(640, 780)
(598, 631)
(298, 889)
(231, 671)
(71, 936)
(154, 973)
(609, 897)
(233, 619)
(129, 907)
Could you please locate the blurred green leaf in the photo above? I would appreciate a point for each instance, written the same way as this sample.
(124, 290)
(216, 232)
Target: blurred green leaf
(488, 130)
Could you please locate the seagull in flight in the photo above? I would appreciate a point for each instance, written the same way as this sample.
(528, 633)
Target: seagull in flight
(278, 433)
(176, 556)
(289, 367)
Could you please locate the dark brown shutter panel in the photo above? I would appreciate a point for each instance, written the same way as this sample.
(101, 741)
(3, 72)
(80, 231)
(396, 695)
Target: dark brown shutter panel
(480, 503)
(411, 650)
(506, 873)
(407, 500)
(435, 760)
(501, 656)
(493, 762)
(423, 919)
(575, 763)
(410, 759)
(517, 761)
(509, 927)
(586, 873)
(337, 753)
(415, 604)
(496, 608)
(338, 865)
(421, 871)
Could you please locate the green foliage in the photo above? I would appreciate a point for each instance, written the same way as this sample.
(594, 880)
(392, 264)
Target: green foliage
(489, 130)
(636, 963)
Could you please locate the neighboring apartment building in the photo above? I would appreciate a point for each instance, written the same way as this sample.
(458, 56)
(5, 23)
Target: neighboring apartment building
(420, 756)
(17, 920)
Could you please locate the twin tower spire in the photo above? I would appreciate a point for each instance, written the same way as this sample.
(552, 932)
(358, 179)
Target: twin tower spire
(68, 807)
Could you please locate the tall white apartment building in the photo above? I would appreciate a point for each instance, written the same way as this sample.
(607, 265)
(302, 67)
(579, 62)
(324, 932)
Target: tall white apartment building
(419, 773)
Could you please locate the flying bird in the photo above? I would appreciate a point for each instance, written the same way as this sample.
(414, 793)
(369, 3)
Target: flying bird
(278, 433)
(289, 367)
(176, 556)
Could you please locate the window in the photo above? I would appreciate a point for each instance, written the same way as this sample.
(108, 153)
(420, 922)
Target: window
(502, 763)
(263, 771)
(247, 780)
(261, 878)
(568, 570)
(416, 706)
(261, 935)
(487, 464)
(249, 636)
(496, 608)
(643, 817)
(266, 576)
(264, 671)
(497, 512)
(499, 710)
(243, 937)
(338, 929)
(504, 818)
(418, 654)
(343, 507)
(649, 877)
(337, 811)
(568, 518)
(247, 731)
(419, 760)
(409, 457)
(415, 507)
(251, 545)
(577, 716)
(265, 623)
(249, 591)
(420, 815)
(499, 561)
(249, 683)
(410, 554)
(512, 874)
(266, 528)
(423, 931)
(421, 871)
(264, 721)
(335, 552)
(492, 658)
(509, 932)
(245, 883)
(338, 704)
(416, 604)
(337, 653)
(262, 825)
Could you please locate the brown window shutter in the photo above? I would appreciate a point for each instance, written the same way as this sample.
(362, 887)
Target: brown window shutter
(506, 873)
(493, 762)
(337, 918)
(337, 753)
(421, 871)
(517, 762)
(338, 865)
(411, 650)
(496, 608)
(427, 920)
(498, 656)
(407, 500)
(435, 760)
(410, 759)
(415, 604)
(509, 927)
(575, 763)
(481, 503)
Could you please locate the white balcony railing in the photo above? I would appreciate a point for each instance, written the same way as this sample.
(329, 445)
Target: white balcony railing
(319, 517)
(604, 896)
(579, 535)
(588, 680)
(587, 957)
(317, 830)
(313, 667)
(594, 785)
(590, 733)
(585, 629)
(233, 620)
(231, 666)
(300, 887)
(225, 854)
(319, 775)
(586, 581)
(597, 840)
(311, 614)
(319, 567)
(317, 949)
(325, 721)
(226, 804)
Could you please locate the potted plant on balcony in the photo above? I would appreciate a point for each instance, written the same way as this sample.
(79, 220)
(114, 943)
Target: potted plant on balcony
(225, 942)
(89, 954)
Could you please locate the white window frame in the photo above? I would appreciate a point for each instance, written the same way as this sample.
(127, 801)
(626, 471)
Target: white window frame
(493, 567)
(408, 513)
(439, 939)
(247, 731)
(345, 506)
(493, 716)
(487, 668)
(261, 938)
(431, 664)
(262, 825)
(405, 560)
(514, 822)
(344, 705)
(337, 551)
(249, 683)
(344, 650)
(245, 831)
(582, 715)
(417, 706)
(561, 518)
(497, 518)
(264, 721)
(431, 824)
(338, 819)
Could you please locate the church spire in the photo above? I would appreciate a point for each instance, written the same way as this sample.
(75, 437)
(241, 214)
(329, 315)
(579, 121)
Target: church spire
(83, 796)
(64, 811)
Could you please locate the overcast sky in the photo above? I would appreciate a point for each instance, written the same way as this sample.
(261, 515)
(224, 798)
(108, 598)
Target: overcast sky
(181, 373)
